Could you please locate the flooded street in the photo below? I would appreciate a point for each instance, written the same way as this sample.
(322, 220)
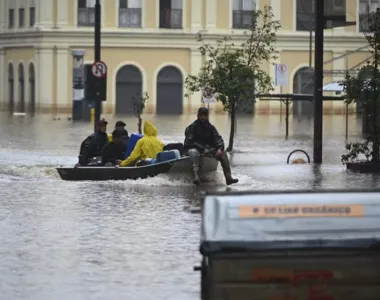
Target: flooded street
(133, 239)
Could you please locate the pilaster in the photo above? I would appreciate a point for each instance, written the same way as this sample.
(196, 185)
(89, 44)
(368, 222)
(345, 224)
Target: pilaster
(3, 79)
(211, 14)
(44, 84)
(3, 11)
(62, 93)
(276, 7)
(196, 15)
(196, 65)
(338, 64)
(62, 13)
(45, 13)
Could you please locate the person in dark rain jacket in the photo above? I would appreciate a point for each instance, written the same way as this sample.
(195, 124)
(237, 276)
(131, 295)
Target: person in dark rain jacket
(93, 145)
(114, 152)
(120, 126)
(202, 138)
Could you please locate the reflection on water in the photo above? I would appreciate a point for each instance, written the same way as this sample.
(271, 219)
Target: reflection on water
(128, 240)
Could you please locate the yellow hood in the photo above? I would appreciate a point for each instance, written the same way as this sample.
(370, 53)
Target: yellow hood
(149, 129)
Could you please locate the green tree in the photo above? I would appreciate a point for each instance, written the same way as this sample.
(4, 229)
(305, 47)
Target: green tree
(139, 102)
(232, 71)
(364, 88)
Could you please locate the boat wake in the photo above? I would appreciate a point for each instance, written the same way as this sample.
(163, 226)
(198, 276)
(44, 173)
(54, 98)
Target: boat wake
(48, 172)
(37, 172)
(173, 180)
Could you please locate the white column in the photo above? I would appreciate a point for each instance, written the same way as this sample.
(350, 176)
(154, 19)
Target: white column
(211, 10)
(3, 78)
(276, 6)
(63, 97)
(45, 13)
(196, 15)
(44, 82)
(196, 65)
(338, 64)
(62, 13)
(3, 12)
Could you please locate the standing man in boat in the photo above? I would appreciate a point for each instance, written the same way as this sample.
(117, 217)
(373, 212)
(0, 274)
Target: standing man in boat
(120, 126)
(93, 145)
(202, 138)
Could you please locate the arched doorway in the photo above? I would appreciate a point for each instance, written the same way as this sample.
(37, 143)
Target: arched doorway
(21, 88)
(169, 91)
(303, 83)
(32, 89)
(11, 91)
(129, 85)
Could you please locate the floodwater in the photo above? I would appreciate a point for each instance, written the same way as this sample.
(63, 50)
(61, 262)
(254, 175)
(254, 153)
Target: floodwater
(133, 239)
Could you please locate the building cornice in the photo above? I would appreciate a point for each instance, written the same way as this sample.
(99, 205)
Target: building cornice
(285, 40)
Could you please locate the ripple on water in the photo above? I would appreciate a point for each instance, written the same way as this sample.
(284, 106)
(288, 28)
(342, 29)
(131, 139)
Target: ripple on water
(131, 239)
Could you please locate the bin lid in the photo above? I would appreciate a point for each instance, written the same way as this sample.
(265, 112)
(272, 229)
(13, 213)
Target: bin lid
(296, 217)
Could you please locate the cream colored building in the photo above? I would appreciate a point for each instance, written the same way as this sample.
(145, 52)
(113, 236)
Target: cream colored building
(149, 39)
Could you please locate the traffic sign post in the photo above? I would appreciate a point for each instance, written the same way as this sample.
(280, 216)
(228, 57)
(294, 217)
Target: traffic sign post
(281, 79)
(99, 69)
(208, 99)
(96, 88)
(281, 75)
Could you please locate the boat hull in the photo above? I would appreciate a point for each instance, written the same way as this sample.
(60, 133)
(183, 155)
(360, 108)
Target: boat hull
(182, 165)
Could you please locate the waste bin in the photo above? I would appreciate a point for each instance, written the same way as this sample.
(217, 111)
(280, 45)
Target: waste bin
(290, 245)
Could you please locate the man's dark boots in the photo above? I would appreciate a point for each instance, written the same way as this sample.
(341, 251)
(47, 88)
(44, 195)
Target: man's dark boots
(227, 170)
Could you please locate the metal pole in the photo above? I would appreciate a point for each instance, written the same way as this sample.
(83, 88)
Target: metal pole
(281, 105)
(97, 56)
(346, 121)
(287, 118)
(310, 47)
(318, 82)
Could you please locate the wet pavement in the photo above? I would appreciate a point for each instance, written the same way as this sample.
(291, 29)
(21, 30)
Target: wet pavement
(133, 239)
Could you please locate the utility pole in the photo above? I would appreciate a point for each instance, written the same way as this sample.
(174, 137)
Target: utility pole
(318, 82)
(97, 57)
(311, 45)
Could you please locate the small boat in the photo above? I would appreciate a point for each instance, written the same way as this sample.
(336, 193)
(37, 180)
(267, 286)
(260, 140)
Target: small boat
(181, 165)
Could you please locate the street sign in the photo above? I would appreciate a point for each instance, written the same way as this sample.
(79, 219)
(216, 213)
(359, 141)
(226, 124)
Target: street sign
(208, 99)
(281, 75)
(99, 69)
(95, 86)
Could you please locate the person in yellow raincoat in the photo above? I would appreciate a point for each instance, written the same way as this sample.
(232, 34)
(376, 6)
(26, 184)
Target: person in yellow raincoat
(146, 147)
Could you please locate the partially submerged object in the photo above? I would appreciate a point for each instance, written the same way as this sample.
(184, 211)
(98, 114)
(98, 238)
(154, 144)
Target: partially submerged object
(181, 165)
(291, 245)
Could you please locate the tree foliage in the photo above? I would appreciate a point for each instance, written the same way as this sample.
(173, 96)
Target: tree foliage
(232, 70)
(364, 88)
(139, 102)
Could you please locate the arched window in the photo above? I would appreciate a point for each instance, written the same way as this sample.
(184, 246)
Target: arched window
(170, 91)
(32, 88)
(21, 88)
(129, 85)
(303, 83)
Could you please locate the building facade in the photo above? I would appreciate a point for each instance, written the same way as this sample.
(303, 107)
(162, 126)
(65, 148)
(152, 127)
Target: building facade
(150, 46)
